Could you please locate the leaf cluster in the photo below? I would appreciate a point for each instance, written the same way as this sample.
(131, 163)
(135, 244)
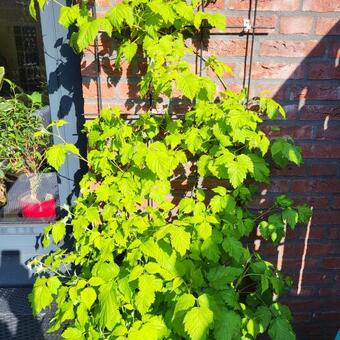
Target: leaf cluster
(21, 150)
(141, 266)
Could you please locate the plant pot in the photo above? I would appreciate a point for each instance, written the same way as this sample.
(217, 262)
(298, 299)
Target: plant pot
(33, 209)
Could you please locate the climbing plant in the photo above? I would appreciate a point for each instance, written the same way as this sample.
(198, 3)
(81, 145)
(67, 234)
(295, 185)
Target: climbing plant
(140, 266)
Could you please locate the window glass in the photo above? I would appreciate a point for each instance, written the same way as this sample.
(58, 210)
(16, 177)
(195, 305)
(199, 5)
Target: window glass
(28, 187)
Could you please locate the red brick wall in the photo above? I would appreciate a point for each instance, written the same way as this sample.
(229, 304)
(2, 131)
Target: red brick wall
(298, 61)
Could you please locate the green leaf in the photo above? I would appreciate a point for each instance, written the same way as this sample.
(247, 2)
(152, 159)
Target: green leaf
(283, 201)
(227, 326)
(148, 285)
(82, 314)
(183, 303)
(129, 49)
(220, 276)
(56, 155)
(92, 215)
(41, 295)
(109, 315)
(68, 15)
(72, 333)
(217, 20)
(210, 250)
(280, 329)
(87, 34)
(163, 9)
(180, 240)
(58, 231)
(88, 296)
(283, 151)
(188, 84)
(261, 168)
(119, 14)
(158, 160)
(263, 317)
(204, 230)
(238, 169)
(305, 213)
(197, 322)
(95, 281)
(291, 217)
(233, 247)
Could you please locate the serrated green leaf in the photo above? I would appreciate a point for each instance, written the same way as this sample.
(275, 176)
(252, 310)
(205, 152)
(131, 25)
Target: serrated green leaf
(291, 217)
(261, 168)
(263, 317)
(233, 247)
(109, 314)
(304, 212)
(180, 240)
(197, 322)
(227, 326)
(119, 14)
(68, 15)
(220, 276)
(280, 329)
(238, 169)
(188, 84)
(148, 285)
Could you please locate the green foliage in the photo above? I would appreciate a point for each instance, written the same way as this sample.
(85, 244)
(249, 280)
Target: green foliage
(22, 147)
(140, 266)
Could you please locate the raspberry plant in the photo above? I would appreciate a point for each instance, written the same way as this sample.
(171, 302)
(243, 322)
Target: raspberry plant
(140, 266)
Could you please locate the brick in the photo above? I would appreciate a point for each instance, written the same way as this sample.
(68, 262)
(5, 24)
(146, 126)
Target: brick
(297, 132)
(321, 5)
(280, 186)
(296, 25)
(315, 201)
(320, 112)
(322, 169)
(290, 170)
(276, 90)
(327, 151)
(326, 217)
(233, 47)
(267, 24)
(328, 133)
(336, 204)
(315, 185)
(321, 92)
(334, 233)
(335, 50)
(262, 70)
(128, 90)
(327, 26)
(216, 5)
(331, 262)
(330, 292)
(286, 48)
(108, 90)
(323, 71)
(266, 5)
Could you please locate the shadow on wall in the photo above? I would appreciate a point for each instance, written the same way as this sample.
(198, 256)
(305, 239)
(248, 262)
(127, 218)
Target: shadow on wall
(312, 255)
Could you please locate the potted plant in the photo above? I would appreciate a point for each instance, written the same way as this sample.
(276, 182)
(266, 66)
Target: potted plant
(22, 151)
